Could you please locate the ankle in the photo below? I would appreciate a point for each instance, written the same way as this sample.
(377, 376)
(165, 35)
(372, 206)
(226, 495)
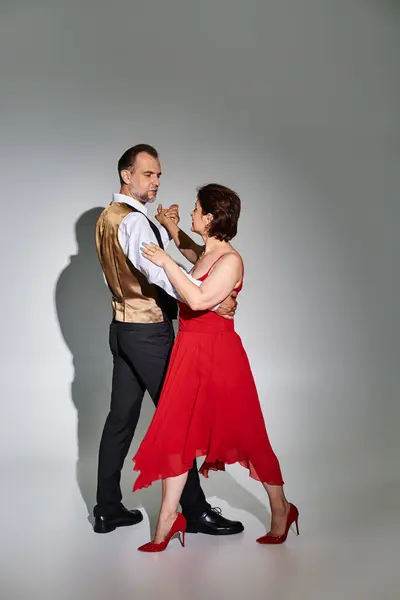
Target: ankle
(168, 515)
(280, 509)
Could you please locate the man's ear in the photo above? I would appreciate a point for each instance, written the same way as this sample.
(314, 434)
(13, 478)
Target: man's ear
(126, 176)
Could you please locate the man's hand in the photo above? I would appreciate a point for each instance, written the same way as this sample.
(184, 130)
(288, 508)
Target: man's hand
(171, 213)
(228, 307)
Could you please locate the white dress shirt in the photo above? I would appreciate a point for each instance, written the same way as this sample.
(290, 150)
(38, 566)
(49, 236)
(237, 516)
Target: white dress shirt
(135, 229)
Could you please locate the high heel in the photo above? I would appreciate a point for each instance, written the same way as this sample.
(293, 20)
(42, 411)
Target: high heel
(178, 527)
(293, 517)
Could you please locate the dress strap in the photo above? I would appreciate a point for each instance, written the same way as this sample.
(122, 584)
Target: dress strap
(238, 287)
(241, 260)
(214, 263)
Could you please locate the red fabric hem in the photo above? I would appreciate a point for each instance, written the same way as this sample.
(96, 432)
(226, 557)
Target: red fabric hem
(208, 465)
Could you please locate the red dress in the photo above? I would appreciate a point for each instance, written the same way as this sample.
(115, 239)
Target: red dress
(208, 407)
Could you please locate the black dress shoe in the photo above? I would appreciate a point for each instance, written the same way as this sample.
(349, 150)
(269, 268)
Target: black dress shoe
(122, 518)
(212, 522)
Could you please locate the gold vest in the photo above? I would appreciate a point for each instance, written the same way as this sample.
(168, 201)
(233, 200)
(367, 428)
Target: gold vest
(134, 299)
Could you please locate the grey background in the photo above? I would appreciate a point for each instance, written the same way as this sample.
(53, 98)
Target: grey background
(293, 104)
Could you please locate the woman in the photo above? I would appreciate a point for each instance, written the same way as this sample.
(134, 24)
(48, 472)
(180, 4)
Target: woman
(209, 404)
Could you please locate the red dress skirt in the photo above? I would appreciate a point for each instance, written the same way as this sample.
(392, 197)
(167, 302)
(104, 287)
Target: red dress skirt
(208, 407)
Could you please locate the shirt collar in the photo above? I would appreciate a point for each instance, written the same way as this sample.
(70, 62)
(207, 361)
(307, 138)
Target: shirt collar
(131, 201)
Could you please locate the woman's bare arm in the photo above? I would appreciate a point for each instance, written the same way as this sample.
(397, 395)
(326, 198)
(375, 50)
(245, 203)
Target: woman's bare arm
(222, 280)
(188, 247)
(169, 218)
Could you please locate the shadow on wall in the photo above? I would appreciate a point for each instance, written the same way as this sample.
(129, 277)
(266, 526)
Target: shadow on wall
(84, 312)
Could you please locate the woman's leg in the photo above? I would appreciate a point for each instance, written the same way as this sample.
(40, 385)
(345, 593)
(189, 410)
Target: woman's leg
(172, 488)
(279, 508)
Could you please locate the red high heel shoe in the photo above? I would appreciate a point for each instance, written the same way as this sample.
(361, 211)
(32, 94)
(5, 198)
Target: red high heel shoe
(293, 517)
(178, 527)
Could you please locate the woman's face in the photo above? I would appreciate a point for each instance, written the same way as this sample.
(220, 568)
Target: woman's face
(199, 221)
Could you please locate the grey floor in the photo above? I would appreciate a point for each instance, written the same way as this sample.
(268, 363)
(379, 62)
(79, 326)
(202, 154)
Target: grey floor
(348, 548)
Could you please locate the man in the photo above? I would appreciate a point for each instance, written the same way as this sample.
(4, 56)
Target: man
(141, 339)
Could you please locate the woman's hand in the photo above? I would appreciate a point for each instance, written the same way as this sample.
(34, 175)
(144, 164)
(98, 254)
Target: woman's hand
(155, 254)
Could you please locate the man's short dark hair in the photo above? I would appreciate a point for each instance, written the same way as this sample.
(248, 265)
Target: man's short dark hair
(127, 160)
(224, 205)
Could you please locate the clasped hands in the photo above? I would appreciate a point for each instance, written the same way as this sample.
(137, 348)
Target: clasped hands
(159, 257)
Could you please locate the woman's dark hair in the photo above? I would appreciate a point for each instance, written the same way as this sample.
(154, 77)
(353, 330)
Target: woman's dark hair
(224, 205)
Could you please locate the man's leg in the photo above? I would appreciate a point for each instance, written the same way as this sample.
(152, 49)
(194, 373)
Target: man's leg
(126, 400)
(151, 363)
(193, 500)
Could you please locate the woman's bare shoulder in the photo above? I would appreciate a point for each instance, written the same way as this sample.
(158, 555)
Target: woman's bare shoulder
(233, 255)
(232, 259)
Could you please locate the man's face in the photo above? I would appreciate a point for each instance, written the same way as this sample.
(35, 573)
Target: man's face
(143, 179)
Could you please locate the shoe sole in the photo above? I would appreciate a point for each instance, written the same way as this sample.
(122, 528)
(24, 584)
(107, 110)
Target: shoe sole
(192, 529)
(109, 529)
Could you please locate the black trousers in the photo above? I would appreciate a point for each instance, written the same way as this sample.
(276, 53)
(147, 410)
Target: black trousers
(141, 353)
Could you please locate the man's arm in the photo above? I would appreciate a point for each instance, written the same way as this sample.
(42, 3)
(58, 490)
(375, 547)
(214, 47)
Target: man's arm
(133, 230)
(165, 236)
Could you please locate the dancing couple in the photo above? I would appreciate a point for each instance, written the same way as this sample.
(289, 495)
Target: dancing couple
(202, 385)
